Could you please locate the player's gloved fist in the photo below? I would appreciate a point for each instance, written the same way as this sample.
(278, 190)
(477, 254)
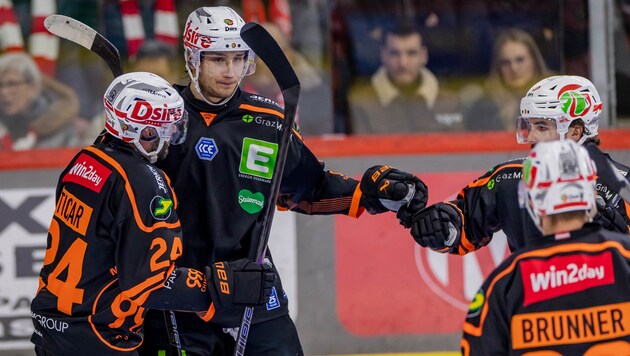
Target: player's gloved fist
(241, 282)
(437, 227)
(609, 218)
(386, 188)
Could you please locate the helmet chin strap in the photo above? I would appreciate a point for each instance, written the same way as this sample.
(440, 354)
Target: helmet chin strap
(152, 156)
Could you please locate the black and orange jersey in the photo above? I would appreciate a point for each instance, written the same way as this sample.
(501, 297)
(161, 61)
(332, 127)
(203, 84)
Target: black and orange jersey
(565, 294)
(112, 244)
(490, 203)
(222, 175)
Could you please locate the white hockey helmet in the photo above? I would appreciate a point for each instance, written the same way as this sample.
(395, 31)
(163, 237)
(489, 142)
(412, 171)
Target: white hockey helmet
(214, 29)
(563, 99)
(558, 177)
(143, 106)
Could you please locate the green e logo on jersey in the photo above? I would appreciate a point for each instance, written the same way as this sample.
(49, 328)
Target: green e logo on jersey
(258, 158)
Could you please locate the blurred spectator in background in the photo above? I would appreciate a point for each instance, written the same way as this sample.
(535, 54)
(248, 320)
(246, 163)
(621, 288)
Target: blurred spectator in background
(314, 114)
(153, 56)
(35, 110)
(516, 65)
(158, 57)
(401, 94)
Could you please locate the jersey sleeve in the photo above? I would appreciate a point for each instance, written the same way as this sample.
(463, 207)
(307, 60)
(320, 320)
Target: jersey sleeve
(478, 205)
(486, 328)
(309, 189)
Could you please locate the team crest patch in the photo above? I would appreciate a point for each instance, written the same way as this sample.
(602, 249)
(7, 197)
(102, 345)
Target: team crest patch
(476, 304)
(161, 208)
(274, 302)
(206, 148)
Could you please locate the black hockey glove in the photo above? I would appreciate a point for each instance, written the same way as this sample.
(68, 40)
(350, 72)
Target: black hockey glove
(386, 188)
(610, 218)
(241, 282)
(437, 227)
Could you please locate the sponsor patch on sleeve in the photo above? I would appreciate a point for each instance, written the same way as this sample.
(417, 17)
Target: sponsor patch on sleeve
(562, 275)
(88, 172)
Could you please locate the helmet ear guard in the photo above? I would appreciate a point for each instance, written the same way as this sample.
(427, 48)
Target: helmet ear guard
(564, 99)
(558, 177)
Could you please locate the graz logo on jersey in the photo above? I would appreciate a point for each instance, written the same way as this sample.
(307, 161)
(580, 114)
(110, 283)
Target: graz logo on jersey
(251, 202)
(562, 275)
(161, 207)
(206, 148)
(73, 212)
(87, 172)
(260, 121)
(258, 159)
(456, 279)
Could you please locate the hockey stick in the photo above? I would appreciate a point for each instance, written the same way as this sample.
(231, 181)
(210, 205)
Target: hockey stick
(82, 34)
(608, 173)
(261, 42)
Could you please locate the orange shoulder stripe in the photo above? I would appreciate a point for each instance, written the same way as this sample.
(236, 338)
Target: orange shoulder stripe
(483, 181)
(136, 213)
(477, 330)
(263, 110)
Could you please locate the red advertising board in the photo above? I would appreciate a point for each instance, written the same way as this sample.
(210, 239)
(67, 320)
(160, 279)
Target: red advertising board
(387, 285)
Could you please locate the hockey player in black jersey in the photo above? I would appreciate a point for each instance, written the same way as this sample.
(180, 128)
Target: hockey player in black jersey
(566, 291)
(556, 108)
(222, 176)
(115, 236)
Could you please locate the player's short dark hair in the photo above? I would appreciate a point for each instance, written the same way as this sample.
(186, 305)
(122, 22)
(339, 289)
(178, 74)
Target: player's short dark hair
(402, 29)
(156, 49)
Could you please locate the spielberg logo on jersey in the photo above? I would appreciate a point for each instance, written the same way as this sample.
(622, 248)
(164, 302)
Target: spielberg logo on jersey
(88, 172)
(161, 207)
(258, 159)
(562, 275)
